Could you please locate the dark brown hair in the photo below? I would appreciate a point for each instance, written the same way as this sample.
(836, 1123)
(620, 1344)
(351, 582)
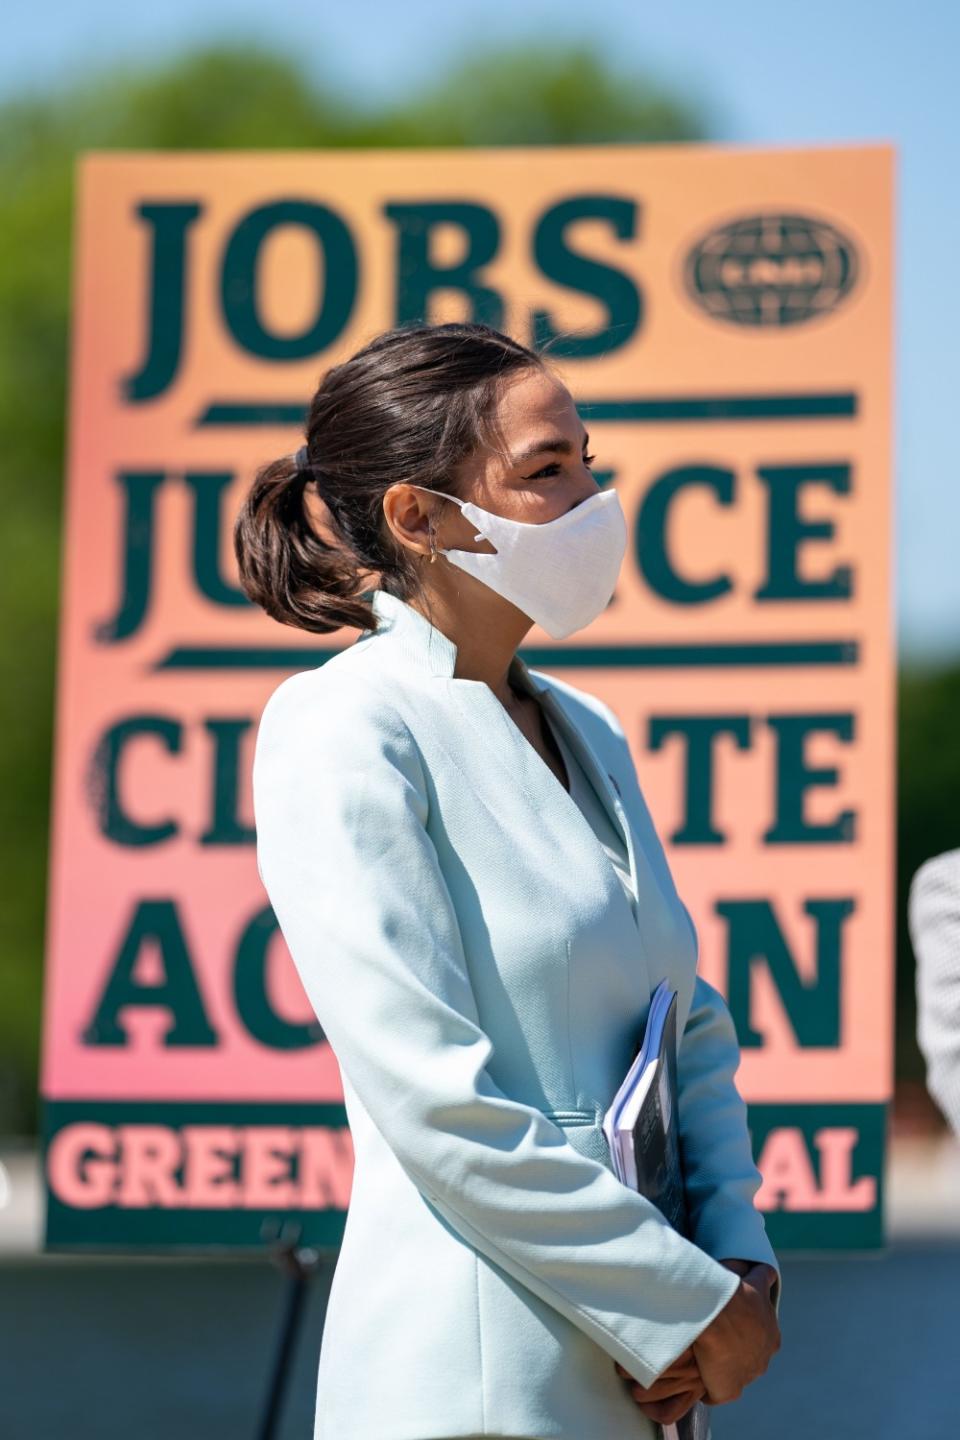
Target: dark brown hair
(410, 405)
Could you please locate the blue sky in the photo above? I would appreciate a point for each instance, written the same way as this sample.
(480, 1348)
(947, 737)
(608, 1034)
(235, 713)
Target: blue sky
(816, 72)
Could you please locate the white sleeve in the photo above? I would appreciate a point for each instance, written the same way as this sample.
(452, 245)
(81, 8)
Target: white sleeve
(354, 880)
(933, 911)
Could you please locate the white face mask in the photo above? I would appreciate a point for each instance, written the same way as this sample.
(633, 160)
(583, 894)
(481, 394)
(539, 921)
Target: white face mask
(561, 573)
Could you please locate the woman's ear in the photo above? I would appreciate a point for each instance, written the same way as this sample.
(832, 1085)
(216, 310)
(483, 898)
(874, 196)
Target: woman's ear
(409, 515)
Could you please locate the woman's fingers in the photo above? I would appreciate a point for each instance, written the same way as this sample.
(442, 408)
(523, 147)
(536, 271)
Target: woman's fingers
(667, 1412)
(684, 1369)
(664, 1389)
(673, 1392)
(681, 1374)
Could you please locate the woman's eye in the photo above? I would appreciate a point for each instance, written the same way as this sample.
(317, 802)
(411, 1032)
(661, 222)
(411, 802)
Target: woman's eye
(554, 466)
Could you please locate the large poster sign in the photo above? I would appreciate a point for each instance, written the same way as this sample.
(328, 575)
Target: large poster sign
(722, 317)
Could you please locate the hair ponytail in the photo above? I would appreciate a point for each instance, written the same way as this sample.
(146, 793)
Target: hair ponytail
(286, 566)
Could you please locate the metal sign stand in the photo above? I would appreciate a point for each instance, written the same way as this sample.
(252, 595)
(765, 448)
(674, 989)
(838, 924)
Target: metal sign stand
(299, 1262)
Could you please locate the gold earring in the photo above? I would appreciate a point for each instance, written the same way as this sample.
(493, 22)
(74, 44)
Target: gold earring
(433, 547)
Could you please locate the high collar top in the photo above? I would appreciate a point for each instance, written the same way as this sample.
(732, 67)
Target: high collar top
(420, 643)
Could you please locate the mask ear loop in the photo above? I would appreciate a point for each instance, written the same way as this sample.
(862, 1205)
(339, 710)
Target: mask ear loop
(433, 538)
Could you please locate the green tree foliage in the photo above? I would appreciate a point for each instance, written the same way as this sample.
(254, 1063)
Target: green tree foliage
(225, 97)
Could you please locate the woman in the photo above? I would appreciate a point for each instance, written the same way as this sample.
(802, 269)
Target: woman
(464, 868)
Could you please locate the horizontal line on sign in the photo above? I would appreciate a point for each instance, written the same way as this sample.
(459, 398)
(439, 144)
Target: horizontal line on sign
(822, 405)
(582, 657)
(737, 652)
(830, 405)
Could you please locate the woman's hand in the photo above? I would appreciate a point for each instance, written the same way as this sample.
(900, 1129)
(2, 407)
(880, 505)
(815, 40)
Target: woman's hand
(679, 1387)
(673, 1392)
(736, 1347)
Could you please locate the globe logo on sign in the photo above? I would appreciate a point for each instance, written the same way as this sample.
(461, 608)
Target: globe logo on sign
(771, 270)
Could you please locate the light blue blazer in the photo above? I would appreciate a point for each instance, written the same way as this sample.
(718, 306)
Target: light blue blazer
(473, 959)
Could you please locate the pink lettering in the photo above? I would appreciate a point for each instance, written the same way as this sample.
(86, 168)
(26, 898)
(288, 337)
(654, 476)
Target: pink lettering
(77, 1178)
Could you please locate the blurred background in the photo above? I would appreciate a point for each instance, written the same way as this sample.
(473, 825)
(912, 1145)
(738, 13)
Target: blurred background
(156, 1347)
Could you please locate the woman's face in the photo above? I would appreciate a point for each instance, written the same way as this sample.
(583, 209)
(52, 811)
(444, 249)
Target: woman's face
(533, 469)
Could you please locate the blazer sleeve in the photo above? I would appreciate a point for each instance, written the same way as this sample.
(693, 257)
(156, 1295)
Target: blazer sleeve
(933, 912)
(341, 806)
(719, 1171)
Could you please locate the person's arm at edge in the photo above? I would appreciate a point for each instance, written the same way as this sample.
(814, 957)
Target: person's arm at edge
(933, 910)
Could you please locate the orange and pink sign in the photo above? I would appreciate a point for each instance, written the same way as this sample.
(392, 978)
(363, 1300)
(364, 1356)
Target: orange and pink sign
(723, 319)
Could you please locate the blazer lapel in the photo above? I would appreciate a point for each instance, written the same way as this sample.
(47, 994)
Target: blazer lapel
(415, 642)
(603, 781)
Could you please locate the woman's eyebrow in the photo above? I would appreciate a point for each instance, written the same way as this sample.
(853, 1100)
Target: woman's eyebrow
(555, 444)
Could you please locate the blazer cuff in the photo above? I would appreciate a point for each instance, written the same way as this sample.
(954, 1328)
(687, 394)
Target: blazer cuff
(738, 1231)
